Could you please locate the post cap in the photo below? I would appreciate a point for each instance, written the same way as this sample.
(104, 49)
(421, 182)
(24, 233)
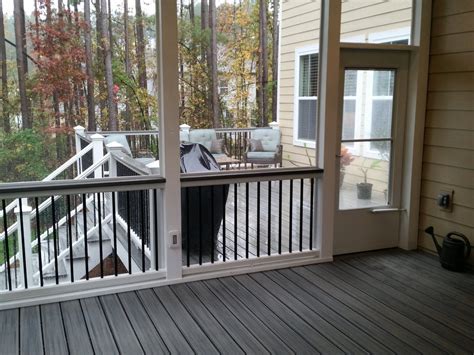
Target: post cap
(97, 137)
(274, 125)
(154, 166)
(114, 146)
(184, 127)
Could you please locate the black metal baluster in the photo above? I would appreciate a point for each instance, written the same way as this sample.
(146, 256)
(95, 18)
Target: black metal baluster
(114, 227)
(280, 200)
(269, 226)
(55, 237)
(246, 220)
(45, 220)
(290, 222)
(75, 214)
(200, 225)
(223, 223)
(311, 207)
(235, 221)
(129, 235)
(86, 245)
(258, 218)
(7, 248)
(143, 227)
(301, 213)
(69, 222)
(23, 249)
(212, 225)
(188, 252)
(155, 217)
(38, 238)
(94, 204)
(15, 251)
(101, 249)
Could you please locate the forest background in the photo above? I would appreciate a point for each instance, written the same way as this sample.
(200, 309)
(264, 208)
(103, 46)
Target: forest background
(93, 63)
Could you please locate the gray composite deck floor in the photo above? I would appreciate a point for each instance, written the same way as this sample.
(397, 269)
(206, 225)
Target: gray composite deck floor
(381, 302)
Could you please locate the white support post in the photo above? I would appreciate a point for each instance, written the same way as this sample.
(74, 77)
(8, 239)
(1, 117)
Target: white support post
(328, 118)
(23, 218)
(97, 152)
(79, 131)
(167, 44)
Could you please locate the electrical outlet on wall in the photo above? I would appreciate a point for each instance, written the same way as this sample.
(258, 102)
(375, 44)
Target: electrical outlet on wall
(445, 200)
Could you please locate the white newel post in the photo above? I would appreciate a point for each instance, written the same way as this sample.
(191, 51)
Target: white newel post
(155, 170)
(97, 152)
(23, 217)
(274, 125)
(113, 148)
(185, 128)
(79, 132)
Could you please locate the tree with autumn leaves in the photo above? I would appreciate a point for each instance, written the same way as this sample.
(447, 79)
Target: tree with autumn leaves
(93, 63)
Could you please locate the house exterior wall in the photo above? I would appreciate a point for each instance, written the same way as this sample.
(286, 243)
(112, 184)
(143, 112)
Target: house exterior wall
(300, 22)
(448, 159)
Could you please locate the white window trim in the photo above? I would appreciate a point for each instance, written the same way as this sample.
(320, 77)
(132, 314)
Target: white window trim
(391, 35)
(299, 52)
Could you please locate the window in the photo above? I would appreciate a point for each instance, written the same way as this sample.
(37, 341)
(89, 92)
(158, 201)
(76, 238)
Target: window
(306, 96)
(350, 100)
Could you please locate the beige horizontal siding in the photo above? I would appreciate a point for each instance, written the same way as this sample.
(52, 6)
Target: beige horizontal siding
(452, 62)
(452, 43)
(453, 24)
(444, 8)
(451, 82)
(448, 159)
(461, 120)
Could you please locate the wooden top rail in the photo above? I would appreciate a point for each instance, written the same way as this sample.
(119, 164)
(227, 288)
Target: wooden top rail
(254, 175)
(66, 187)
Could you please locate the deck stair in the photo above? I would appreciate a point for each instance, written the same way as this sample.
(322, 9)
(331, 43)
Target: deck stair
(66, 224)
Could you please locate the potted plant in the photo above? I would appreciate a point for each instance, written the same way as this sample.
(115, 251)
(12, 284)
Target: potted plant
(364, 189)
(346, 159)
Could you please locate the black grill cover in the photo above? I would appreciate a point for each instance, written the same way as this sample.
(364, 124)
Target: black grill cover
(201, 207)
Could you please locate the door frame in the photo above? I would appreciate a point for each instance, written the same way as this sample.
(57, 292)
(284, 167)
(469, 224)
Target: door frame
(390, 214)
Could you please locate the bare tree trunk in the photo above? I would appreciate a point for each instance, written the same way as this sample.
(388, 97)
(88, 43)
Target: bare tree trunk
(263, 64)
(91, 124)
(140, 45)
(181, 66)
(276, 33)
(3, 62)
(113, 123)
(205, 58)
(128, 66)
(21, 60)
(140, 49)
(213, 66)
(100, 56)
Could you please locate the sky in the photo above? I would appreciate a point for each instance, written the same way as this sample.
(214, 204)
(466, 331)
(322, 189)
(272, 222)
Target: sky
(148, 6)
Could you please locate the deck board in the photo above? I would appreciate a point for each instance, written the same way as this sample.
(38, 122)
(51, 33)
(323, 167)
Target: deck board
(368, 302)
(122, 330)
(53, 329)
(98, 325)
(77, 334)
(30, 323)
(9, 331)
(147, 335)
